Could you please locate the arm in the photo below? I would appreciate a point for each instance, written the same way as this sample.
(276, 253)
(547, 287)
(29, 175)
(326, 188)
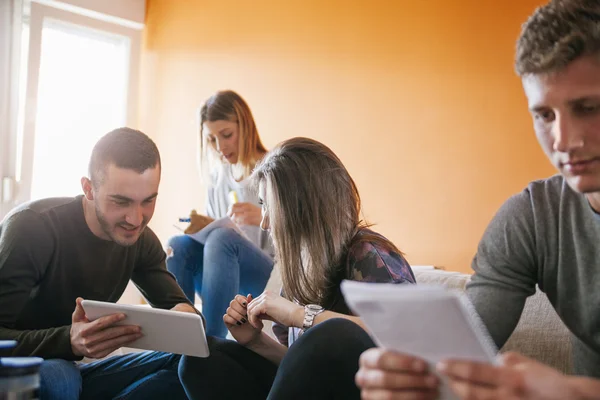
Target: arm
(26, 248)
(211, 210)
(268, 348)
(151, 277)
(368, 262)
(505, 268)
(251, 335)
(324, 316)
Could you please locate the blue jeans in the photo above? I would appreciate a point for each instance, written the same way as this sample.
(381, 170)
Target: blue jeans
(226, 265)
(148, 375)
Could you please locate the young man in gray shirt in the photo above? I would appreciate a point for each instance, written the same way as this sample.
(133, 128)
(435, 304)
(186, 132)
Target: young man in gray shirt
(54, 252)
(547, 235)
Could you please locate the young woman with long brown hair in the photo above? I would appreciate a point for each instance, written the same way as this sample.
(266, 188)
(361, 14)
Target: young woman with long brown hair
(311, 207)
(228, 263)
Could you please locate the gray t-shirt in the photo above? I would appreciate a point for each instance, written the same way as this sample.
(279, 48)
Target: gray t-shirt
(218, 203)
(548, 235)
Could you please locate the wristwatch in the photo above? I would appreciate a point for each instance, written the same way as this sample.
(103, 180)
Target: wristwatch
(310, 312)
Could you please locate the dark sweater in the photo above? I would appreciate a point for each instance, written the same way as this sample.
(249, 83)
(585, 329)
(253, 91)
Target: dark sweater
(49, 257)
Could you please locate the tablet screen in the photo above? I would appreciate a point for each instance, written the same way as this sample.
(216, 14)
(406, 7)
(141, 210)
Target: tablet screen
(164, 330)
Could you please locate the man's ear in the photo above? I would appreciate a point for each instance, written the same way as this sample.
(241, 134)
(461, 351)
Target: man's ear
(86, 185)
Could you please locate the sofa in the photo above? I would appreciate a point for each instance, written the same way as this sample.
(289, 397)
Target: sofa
(540, 334)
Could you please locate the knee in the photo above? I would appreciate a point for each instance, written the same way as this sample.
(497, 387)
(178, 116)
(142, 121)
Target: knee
(222, 237)
(336, 333)
(184, 368)
(191, 368)
(59, 379)
(188, 370)
(178, 244)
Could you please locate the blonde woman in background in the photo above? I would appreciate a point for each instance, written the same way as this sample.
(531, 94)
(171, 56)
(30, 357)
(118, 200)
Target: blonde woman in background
(311, 207)
(228, 263)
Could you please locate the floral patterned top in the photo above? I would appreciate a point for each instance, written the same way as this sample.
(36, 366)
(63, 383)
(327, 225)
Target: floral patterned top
(366, 262)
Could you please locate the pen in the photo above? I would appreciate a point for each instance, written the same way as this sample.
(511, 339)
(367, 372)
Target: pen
(185, 220)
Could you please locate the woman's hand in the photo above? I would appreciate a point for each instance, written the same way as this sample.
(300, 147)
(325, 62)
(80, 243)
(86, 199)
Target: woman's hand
(273, 307)
(245, 214)
(197, 222)
(236, 320)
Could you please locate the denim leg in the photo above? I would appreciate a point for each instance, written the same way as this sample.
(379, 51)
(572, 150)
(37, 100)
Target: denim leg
(147, 375)
(322, 363)
(59, 380)
(184, 261)
(232, 265)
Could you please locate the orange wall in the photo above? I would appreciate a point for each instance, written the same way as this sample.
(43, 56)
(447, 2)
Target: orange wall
(418, 98)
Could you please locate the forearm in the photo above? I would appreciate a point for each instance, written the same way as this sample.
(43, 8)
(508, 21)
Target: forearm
(189, 308)
(160, 288)
(186, 307)
(45, 343)
(585, 388)
(298, 318)
(268, 348)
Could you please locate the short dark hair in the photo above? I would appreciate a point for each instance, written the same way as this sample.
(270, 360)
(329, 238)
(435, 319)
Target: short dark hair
(557, 34)
(125, 148)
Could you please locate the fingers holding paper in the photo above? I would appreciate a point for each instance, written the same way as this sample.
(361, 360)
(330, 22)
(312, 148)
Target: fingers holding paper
(387, 374)
(517, 378)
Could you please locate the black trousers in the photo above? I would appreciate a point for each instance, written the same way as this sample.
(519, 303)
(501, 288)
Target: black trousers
(320, 365)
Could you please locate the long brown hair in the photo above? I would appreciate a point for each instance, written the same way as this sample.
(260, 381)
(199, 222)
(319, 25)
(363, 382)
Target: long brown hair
(314, 208)
(227, 105)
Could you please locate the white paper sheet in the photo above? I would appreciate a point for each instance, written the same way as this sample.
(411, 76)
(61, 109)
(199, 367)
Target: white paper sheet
(423, 320)
(225, 222)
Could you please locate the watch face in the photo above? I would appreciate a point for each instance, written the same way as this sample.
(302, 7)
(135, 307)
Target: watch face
(314, 307)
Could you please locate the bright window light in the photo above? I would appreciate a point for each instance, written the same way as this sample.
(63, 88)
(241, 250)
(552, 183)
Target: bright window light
(82, 94)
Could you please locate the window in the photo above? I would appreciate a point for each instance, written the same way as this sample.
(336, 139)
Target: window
(80, 79)
(82, 94)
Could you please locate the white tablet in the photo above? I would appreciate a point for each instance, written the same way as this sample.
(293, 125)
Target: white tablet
(426, 321)
(164, 330)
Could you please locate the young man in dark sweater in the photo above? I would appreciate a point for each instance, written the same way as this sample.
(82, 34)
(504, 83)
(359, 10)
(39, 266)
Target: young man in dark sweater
(55, 252)
(548, 235)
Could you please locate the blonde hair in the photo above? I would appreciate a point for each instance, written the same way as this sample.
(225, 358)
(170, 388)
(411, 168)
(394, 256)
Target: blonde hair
(313, 206)
(227, 105)
(557, 34)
